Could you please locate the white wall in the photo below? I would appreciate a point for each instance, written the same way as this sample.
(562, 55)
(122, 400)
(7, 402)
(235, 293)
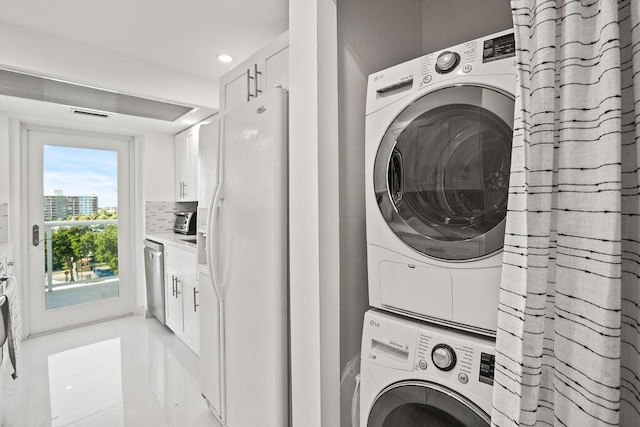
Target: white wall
(4, 159)
(28, 50)
(313, 214)
(448, 23)
(158, 167)
(373, 35)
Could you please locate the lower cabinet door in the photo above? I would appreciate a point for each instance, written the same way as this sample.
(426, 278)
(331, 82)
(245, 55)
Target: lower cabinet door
(191, 313)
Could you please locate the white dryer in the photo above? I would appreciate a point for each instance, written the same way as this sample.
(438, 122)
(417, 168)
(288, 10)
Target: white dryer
(416, 374)
(438, 152)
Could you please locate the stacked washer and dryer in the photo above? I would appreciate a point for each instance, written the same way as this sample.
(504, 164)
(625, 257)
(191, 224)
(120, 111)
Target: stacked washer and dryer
(438, 152)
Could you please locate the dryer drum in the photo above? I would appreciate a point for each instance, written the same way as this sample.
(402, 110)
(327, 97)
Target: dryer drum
(458, 173)
(447, 178)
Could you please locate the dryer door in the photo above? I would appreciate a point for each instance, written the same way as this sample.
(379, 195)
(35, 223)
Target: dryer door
(441, 174)
(425, 404)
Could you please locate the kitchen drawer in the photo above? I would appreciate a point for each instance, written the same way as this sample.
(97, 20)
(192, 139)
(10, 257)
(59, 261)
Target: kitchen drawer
(183, 261)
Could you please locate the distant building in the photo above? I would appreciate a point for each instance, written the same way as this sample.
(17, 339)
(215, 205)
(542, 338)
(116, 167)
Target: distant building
(55, 207)
(60, 206)
(88, 204)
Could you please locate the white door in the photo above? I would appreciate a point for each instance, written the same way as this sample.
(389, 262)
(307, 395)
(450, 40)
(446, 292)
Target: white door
(79, 209)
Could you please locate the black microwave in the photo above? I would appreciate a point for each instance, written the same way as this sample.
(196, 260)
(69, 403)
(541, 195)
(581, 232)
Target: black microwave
(185, 223)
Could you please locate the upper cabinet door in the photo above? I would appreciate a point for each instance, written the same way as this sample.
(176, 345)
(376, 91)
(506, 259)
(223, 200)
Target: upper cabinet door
(186, 165)
(258, 73)
(237, 89)
(276, 68)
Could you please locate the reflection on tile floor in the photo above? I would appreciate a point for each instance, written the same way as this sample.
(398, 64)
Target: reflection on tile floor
(126, 372)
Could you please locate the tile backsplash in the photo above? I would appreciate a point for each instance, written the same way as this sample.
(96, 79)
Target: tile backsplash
(159, 216)
(4, 222)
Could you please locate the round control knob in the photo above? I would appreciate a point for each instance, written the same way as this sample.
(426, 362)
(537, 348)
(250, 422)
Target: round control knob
(443, 357)
(447, 61)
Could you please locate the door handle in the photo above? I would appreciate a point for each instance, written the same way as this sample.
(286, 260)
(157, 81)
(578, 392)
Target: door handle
(35, 235)
(177, 291)
(173, 285)
(194, 299)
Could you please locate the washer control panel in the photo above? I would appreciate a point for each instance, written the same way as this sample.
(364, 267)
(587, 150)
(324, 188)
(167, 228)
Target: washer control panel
(444, 357)
(499, 48)
(487, 368)
(447, 61)
(417, 350)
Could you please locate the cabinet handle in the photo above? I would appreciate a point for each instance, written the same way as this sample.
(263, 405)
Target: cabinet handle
(177, 291)
(194, 299)
(255, 84)
(184, 189)
(173, 285)
(249, 94)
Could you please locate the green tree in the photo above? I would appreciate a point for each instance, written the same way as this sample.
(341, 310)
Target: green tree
(106, 244)
(73, 243)
(101, 214)
(67, 246)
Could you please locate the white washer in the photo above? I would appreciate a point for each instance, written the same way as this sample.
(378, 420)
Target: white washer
(438, 151)
(415, 374)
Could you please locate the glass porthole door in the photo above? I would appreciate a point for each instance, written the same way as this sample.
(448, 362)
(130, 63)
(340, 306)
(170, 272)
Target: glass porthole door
(441, 174)
(423, 404)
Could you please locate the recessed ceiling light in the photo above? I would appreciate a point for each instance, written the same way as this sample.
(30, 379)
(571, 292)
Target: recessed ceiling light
(224, 58)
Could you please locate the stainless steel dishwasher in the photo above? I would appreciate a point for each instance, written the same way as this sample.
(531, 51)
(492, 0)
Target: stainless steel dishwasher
(154, 273)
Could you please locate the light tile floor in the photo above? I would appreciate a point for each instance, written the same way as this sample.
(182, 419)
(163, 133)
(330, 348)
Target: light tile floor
(126, 372)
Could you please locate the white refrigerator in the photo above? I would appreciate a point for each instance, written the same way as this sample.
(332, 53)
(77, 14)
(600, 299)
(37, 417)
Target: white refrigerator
(247, 254)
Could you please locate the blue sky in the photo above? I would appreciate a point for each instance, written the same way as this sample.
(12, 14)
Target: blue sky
(82, 172)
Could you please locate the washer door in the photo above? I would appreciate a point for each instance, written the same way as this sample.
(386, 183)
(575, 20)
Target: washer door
(441, 174)
(417, 404)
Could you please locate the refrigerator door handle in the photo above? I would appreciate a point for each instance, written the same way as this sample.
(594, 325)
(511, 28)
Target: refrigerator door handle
(212, 254)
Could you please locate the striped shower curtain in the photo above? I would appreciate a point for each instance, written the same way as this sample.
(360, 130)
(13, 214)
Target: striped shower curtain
(568, 341)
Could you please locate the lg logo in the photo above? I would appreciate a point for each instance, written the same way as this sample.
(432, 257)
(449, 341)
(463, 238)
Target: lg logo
(378, 77)
(374, 323)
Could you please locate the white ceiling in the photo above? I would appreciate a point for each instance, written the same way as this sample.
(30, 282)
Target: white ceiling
(185, 36)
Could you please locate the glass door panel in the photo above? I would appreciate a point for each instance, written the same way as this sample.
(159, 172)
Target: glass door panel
(81, 225)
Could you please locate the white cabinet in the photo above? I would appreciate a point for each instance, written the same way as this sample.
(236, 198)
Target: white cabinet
(256, 75)
(182, 296)
(186, 165)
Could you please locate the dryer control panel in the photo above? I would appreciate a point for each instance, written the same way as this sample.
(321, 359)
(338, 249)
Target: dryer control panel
(491, 55)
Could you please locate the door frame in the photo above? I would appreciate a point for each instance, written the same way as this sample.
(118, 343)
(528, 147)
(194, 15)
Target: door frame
(19, 198)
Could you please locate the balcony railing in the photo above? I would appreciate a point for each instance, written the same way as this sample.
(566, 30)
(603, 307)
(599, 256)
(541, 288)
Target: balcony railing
(73, 279)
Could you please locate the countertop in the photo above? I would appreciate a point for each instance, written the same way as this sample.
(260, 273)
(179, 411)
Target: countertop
(174, 239)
